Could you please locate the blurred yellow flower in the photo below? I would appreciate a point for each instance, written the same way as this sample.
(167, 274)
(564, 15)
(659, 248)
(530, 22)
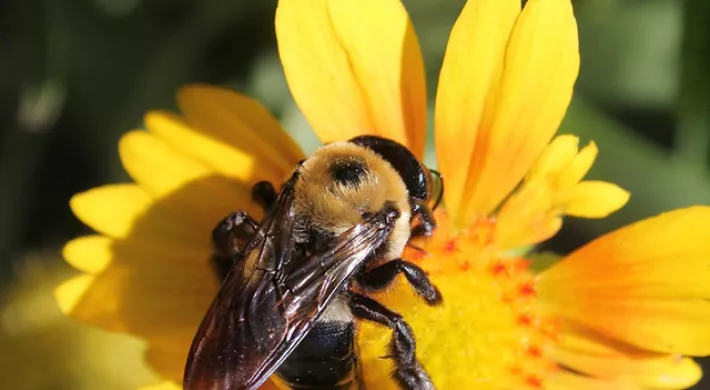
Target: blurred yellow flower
(43, 349)
(618, 313)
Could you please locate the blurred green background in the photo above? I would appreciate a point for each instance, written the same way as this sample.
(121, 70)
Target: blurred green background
(76, 74)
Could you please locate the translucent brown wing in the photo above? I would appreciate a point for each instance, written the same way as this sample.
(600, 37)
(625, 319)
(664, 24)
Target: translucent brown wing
(263, 311)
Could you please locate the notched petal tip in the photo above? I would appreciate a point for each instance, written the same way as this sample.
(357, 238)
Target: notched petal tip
(580, 165)
(551, 190)
(556, 157)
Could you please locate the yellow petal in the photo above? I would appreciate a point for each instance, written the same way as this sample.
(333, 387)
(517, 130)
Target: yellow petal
(565, 380)
(593, 199)
(217, 154)
(169, 364)
(191, 190)
(591, 354)
(240, 122)
(69, 293)
(536, 233)
(150, 292)
(556, 157)
(563, 163)
(156, 167)
(524, 109)
(90, 254)
(581, 164)
(125, 210)
(551, 190)
(111, 209)
(527, 218)
(472, 63)
(645, 284)
(351, 78)
(668, 326)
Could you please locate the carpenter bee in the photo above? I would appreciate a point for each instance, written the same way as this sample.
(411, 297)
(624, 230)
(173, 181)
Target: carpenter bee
(294, 284)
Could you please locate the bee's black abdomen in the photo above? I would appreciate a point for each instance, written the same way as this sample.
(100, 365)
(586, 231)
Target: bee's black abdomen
(325, 359)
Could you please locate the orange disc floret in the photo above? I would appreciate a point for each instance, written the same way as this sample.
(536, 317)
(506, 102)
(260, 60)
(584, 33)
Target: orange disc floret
(488, 333)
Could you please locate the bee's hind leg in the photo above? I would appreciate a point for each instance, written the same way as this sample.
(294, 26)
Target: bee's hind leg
(228, 240)
(409, 373)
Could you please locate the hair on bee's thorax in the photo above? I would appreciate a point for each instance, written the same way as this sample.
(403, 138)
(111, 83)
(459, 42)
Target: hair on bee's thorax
(339, 183)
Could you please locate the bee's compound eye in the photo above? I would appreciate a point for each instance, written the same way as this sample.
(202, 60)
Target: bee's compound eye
(349, 172)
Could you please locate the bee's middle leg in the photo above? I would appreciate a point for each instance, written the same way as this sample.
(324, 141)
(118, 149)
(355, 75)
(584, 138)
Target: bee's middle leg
(264, 193)
(409, 373)
(232, 233)
(380, 277)
(228, 240)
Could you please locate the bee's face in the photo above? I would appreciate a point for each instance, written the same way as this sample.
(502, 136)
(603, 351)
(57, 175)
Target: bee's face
(341, 181)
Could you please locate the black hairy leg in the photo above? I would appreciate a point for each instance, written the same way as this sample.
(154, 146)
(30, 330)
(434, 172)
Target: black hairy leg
(232, 233)
(380, 277)
(264, 193)
(408, 373)
(427, 223)
(228, 240)
(236, 229)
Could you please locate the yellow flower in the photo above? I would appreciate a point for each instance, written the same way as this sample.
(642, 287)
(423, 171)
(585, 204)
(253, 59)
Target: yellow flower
(620, 313)
(36, 338)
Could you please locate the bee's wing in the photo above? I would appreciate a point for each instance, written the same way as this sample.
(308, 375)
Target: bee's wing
(261, 313)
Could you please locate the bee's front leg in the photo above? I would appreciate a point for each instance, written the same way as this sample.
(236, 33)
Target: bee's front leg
(427, 223)
(380, 277)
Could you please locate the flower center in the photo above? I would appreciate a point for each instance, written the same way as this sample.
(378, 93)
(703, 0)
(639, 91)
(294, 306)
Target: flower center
(488, 333)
